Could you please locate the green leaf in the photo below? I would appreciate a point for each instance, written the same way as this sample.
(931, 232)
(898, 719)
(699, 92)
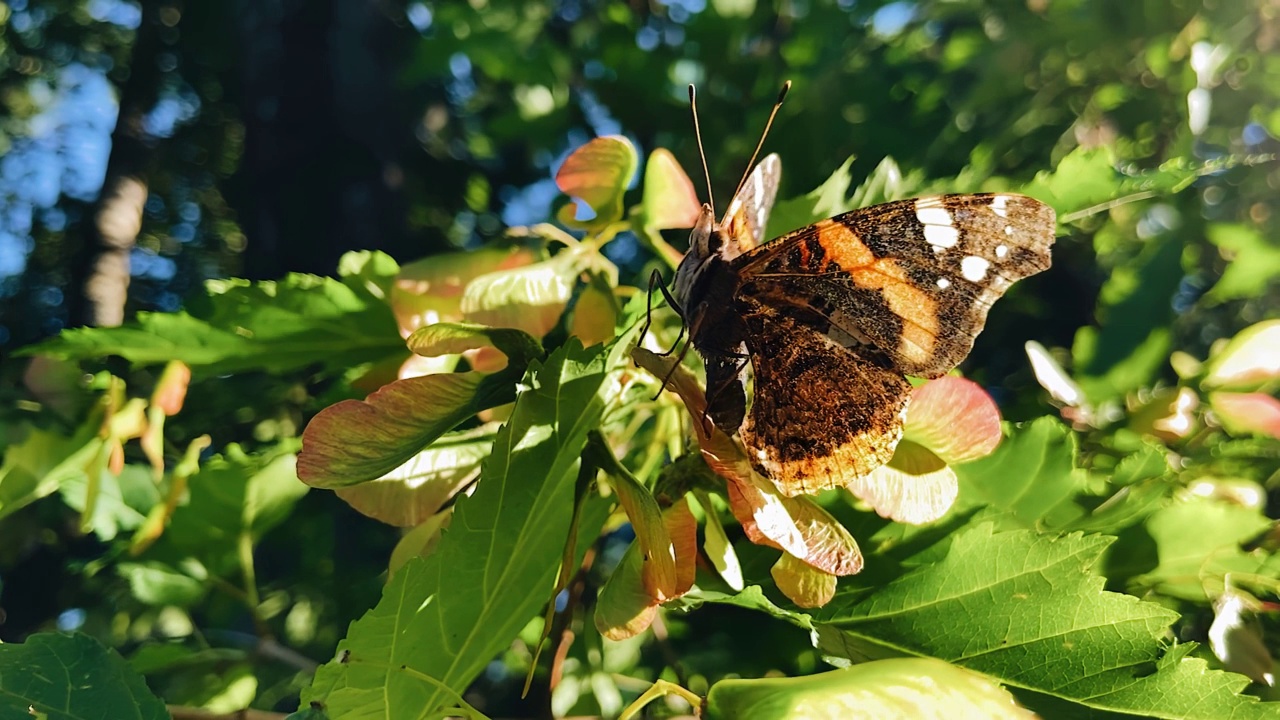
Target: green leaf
(355, 441)
(156, 583)
(1032, 476)
(234, 496)
(446, 616)
(1193, 563)
(1131, 342)
(40, 461)
(237, 325)
(598, 174)
(122, 502)
(72, 677)
(1254, 262)
(1030, 612)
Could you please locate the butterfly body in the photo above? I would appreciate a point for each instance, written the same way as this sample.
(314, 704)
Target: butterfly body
(833, 316)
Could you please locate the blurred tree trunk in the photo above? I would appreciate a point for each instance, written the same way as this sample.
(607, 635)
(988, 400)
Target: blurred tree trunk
(319, 175)
(100, 273)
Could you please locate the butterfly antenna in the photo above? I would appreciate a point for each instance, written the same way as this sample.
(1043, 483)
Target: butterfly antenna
(782, 95)
(697, 132)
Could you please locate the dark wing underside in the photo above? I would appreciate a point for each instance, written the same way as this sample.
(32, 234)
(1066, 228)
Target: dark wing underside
(912, 279)
(822, 415)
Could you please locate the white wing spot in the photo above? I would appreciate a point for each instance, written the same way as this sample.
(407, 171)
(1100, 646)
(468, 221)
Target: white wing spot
(757, 188)
(999, 205)
(943, 283)
(1008, 229)
(1001, 251)
(941, 236)
(974, 269)
(933, 216)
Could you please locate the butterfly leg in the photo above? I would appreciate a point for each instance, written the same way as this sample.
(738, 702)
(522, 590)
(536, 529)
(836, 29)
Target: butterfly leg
(656, 281)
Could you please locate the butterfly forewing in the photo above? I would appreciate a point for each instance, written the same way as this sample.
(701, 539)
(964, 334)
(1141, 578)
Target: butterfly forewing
(748, 213)
(912, 280)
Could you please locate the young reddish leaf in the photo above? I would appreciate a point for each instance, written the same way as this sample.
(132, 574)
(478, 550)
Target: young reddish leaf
(598, 174)
(171, 388)
(532, 298)
(1247, 413)
(953, 417)
(670, 200)
(415, 491)
(1248, 360)
(625, 607)
(803, 584)
(915, 487)
(430, 290)
(795, 525)
(355, 441)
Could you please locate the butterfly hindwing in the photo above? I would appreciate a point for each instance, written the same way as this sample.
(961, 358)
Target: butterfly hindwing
(913, 279)
(822, 415)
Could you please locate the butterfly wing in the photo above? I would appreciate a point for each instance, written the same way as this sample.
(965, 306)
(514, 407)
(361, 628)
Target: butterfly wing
(823, 415)
(912, 279)
(748, 213)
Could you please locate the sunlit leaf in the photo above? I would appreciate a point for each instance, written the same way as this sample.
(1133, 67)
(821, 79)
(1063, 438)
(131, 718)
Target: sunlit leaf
(415, 491)
(72, 677)
(897, 689)
(803, 584)
(915, 486)
(669, 200)
(598, 174)
(1249, 359)
(1247, 413)
(1254, 262)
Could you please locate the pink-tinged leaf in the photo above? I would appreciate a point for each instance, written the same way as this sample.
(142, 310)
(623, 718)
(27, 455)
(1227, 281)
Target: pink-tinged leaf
(171, 389)
(953, 417)
(597, 174)
(795, 525)
(1248, 360)
(915, 487)
(1247, 413)
(415, 491)
(355, 441)
(625, 607)
(58, 385)
(532, 298)
(803, 584)
(670, 201)
(430, 290)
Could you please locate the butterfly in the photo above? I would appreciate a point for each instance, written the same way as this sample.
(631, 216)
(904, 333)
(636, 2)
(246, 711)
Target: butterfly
(833, 316)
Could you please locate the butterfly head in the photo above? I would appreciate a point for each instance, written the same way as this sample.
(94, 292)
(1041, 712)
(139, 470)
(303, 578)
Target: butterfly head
(704, 246)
